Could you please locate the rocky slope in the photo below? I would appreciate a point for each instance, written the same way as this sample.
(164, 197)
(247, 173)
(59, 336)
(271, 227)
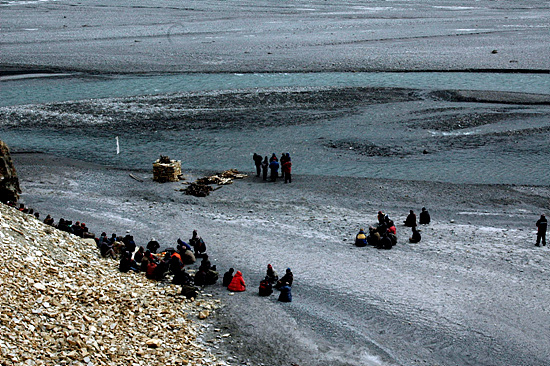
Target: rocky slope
(61, 303)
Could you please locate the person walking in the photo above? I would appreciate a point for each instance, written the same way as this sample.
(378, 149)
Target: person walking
(542, 225)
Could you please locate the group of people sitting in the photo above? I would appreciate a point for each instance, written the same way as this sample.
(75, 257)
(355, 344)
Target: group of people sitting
(273, 164)
(171, 261)
(236, 283)
(384, 234)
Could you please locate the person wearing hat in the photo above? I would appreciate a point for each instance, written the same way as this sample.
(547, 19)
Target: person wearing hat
(287, 279)
(542, 225)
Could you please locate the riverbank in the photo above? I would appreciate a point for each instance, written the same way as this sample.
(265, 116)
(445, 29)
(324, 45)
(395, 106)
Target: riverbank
(471, 293)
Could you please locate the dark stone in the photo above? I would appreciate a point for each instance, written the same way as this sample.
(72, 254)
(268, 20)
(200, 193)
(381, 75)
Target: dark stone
(9, 183)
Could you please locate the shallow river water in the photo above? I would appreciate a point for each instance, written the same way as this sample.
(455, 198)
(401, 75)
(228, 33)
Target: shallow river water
(512, 150)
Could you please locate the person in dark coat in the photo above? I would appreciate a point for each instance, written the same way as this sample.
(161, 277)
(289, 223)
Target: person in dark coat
(153, 245)
(424, 217)
(361, 238)
(127, 264)
(138, 256)
(385, 242)
(410, 221)
(416, 237)
(288, 278)
(227, 277)
(286, 293)
(265, 165)
(542, 225)
(266, 288)
(258, 162)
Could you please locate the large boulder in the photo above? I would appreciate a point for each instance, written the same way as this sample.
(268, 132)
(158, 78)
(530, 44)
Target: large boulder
(9, 183)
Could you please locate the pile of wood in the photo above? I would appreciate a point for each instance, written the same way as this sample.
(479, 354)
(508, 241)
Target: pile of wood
(166, 170)
(201, 187)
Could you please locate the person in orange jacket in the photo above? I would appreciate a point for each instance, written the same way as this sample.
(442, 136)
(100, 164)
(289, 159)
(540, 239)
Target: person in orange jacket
(237, 283)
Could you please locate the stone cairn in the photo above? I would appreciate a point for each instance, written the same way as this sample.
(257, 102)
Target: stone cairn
(166, 170)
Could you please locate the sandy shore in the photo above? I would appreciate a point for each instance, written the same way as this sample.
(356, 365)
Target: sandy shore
(473, 292)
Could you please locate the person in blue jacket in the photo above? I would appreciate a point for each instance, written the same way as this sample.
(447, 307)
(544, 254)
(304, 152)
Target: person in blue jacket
(274, 167)
(286, 293)
(361, 238)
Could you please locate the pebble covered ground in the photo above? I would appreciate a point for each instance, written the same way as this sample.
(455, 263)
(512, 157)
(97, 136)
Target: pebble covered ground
(61, 303)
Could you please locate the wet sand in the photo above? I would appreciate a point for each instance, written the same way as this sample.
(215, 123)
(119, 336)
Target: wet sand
(473, 292)
(260, 36)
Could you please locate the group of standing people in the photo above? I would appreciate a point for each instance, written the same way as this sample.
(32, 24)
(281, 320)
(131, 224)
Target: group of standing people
(235, 282)
(273, 165)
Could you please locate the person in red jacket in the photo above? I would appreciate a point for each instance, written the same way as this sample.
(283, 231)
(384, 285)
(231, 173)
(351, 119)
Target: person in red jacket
(287, 168)
(237, 283)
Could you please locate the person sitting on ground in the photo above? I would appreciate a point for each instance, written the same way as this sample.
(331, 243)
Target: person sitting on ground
(374, 237)
(187, 256)
(37, 215)
(160, 271)
(416, 237)
(138, 256)
(182, 278)
(266, 288)
(198, 244)
(227, 277)
(424, 217)
(288, 278)
(205, 264)
(127, 264)
(48, 220)
(271, 275)
(237, 284)
(410, 221)
(183, 244)
(150, 270)
(106, 250)
(286, 293)
(385, 242)
(77, 229)
(380, 217)
(114, 238)
(392, 237)
(153, 246)
(361, 238)
(391, 228)
(129, 243)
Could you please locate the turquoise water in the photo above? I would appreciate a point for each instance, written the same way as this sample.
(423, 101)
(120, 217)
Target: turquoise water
(501, 160)
(45, 90)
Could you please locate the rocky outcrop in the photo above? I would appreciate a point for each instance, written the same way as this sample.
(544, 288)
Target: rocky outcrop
(9, 183)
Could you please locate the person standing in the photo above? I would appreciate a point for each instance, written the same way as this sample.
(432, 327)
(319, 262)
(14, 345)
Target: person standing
(287, 169)
(274, 167)
(542, 225)
(265, 165)
(258, 162)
